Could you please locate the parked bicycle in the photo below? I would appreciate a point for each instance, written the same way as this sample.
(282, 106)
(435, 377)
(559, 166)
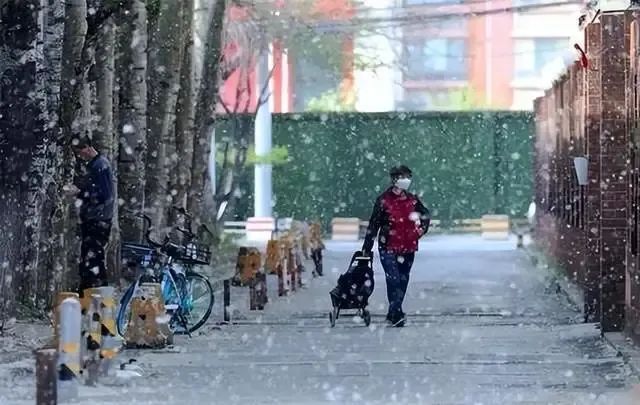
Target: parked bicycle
(188, 295)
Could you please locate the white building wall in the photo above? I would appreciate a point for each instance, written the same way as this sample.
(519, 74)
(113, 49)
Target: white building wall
(377, 73)
(561, 22)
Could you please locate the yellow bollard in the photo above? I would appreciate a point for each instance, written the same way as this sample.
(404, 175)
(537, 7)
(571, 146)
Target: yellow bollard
(69, 346)
(56, 314)
(85, 303)
(110, 343)
(69, 340)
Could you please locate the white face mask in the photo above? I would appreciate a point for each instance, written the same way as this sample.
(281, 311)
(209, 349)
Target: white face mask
(403, 184)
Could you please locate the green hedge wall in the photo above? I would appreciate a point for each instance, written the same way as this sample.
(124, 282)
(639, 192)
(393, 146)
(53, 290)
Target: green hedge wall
(465, 164)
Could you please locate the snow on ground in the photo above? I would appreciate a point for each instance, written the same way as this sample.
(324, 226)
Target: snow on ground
(482, 329)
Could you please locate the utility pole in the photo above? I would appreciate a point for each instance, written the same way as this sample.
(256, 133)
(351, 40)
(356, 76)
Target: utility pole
(263, 182)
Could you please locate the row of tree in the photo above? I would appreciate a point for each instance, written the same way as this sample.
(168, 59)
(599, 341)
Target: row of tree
(138, 77)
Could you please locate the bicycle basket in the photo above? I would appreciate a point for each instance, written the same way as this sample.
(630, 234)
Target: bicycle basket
(196, 253)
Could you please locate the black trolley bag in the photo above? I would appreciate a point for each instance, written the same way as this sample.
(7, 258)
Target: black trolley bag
(354, 288)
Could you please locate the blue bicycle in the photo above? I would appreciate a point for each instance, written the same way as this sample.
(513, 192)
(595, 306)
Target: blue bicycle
(188, 295)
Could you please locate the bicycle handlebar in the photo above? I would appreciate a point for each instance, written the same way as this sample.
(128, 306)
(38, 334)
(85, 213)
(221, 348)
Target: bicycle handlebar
(148, 226)
(167, 247)
(187, 232)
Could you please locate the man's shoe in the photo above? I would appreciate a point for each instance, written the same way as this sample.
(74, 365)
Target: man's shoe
(399, 320)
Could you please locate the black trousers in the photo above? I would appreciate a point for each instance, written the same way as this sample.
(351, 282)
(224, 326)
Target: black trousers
(93, 269)
(316, 255)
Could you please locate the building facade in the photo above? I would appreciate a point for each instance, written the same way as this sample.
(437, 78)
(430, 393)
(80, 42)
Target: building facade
(494, 54)
(389, 55)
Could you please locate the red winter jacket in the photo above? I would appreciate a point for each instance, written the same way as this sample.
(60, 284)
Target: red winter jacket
(399, 220)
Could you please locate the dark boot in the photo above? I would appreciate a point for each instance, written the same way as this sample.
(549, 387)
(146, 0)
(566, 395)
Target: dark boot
(398, 320)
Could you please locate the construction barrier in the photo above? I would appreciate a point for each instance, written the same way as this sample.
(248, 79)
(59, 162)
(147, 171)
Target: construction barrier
(149, 324)
(345, 229)
(495, 227)
(250, 272)
(248, 264)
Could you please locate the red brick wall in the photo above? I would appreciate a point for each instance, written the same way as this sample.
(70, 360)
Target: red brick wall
(585, 227)
(592, 148)
(632, 290)
(613, 157)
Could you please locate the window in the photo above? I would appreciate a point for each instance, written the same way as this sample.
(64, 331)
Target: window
(428, 99)
(436, 59)
(532, 55)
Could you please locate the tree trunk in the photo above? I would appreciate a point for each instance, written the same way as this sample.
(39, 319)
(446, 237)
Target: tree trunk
(53, 50)
(104, 135)
(21, 132)
(132, 114)
(74, 125)
(185, 112)
(75, 30)
(164, 71)
(205, 111)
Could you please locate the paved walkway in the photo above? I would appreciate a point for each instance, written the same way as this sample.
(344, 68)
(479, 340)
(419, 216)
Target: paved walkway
(482, 330)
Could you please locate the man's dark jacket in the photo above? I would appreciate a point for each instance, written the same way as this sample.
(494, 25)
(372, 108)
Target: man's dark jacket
(97, 193)
(399, 220)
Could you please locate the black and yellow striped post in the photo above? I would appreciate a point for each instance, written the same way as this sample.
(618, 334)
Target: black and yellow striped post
(94, 339)
(109, 336)
(69, 346)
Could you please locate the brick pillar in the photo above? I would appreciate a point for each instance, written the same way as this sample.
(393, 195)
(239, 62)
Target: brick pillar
(592, 141)
(632, 307)
(613, 171)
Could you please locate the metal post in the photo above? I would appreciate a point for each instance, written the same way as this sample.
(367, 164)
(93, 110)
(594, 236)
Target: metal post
(262, 185)
(227, 300)
(94, 340)
(46, 377)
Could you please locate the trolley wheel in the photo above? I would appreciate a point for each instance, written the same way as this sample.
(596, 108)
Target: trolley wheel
(366, 317)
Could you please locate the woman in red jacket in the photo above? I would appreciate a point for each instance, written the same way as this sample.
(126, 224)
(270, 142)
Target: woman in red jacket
(399, 220)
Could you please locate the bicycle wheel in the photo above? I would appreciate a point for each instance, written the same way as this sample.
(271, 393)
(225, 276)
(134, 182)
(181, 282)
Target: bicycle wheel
(124, 312)
(198, 302)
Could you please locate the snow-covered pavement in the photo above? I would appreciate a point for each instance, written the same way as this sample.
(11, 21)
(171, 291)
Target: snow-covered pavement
(482, 330)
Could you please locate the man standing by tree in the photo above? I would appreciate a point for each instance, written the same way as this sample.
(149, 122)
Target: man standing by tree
(96, 195)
